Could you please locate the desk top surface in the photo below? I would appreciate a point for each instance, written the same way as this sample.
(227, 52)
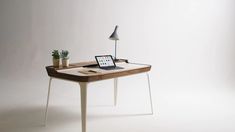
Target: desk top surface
(77, 72)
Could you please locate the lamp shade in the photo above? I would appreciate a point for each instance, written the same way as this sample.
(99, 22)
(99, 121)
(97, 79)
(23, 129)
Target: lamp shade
(114, 35)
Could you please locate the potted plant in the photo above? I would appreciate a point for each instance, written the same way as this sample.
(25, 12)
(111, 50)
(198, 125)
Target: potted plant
(65, 58)
(56, 58)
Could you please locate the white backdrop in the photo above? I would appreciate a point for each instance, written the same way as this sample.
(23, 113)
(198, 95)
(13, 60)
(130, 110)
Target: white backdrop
(187, 42)
(192, 40)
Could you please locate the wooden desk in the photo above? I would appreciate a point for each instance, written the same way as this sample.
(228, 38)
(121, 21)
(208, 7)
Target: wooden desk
(75, 72)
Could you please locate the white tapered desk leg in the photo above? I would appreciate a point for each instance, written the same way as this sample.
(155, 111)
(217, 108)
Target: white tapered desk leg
(48, 97)
(83, 89)
(115, 90)
(150, 96)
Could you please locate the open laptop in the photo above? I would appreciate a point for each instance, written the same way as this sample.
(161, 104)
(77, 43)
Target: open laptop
(106, 62)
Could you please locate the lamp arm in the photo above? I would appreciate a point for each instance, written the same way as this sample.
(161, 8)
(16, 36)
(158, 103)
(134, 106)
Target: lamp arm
(115, 57)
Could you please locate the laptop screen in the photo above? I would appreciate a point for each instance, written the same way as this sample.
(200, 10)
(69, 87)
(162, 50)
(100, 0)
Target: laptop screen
(105, 61)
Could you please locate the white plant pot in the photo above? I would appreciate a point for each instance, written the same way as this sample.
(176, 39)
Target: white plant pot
(65, 62)
(56, 62)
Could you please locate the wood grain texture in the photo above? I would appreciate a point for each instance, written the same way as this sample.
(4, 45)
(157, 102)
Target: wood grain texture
(72, 72)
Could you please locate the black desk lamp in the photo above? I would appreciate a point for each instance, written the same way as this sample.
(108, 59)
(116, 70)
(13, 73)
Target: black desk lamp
(115, 37)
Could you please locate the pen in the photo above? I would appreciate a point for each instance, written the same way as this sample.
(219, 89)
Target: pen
(92, 71)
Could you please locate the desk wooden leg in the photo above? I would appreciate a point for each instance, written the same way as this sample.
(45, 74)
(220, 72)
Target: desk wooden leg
(83, 89)
(48, 97)
(115, 90)
(150, 96)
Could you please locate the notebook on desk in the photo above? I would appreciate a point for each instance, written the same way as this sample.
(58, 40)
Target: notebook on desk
(88, 71)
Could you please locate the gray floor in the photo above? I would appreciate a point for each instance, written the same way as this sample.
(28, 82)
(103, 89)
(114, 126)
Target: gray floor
(178, 107)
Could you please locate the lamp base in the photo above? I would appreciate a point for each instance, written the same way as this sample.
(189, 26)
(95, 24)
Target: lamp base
(115, 59)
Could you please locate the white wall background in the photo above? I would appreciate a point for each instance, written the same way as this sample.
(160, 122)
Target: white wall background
(189, 43)
(184, 39)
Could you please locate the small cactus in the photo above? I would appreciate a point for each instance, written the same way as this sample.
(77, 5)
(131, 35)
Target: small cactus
(64, 54)
(56, 54)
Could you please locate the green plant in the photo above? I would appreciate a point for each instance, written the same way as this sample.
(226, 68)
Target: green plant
(56, 54)
(64, 54)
